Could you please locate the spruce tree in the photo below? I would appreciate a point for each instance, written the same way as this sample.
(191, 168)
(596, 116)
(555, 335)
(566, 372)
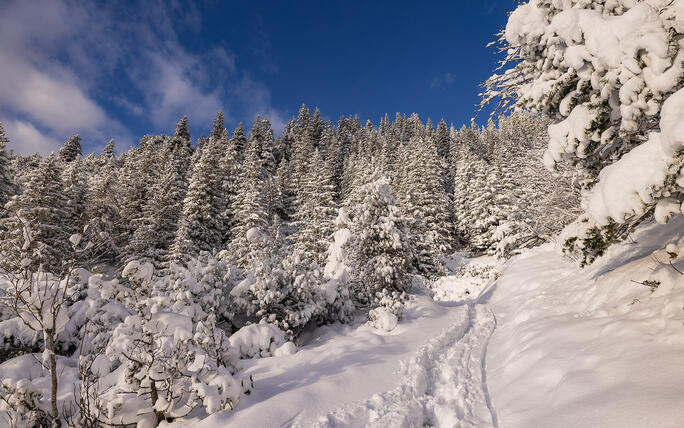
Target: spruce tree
(102, 211)
(36, 224)
(316, 211)
(201, 225)
(71, 149)
(238, 142)
(442, 139)
(75, 192)
(7, 188)
(380, 247)
(423, 197)
(251, 210)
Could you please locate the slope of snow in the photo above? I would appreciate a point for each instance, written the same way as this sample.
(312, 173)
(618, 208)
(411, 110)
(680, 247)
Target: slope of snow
(443, 385)
(590, 347)
(342, 365)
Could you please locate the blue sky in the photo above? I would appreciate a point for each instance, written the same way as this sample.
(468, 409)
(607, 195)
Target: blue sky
(124, 69)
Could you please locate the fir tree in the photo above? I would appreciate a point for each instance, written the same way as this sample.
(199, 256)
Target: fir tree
(380, 247)
(7, 188)
(251, 211)
(40, 211)
(75, 192)
(442, 139)
(316, 211)
(201, 225)
(238, 142)
(71, 149)
(102, 211)
(423, 198)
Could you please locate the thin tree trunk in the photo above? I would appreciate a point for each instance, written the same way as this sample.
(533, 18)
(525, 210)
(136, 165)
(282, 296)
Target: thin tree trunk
(53, 374)
(154, 395)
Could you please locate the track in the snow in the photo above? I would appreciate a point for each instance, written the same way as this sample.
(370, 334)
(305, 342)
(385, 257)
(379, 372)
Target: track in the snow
(443, 384)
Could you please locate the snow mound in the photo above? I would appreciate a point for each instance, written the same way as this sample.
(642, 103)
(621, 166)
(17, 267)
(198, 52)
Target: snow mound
(260, 340)
(382, 319)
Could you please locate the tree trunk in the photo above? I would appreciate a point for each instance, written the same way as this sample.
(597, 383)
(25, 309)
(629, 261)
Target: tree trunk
(53, 375)
(154, 395)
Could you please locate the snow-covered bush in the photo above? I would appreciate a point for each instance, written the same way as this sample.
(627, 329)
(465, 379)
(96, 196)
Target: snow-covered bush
(280, 289)
(19, 405)
(389, 310)
(260, 340)
(610, 75)
(172, 362)
(202, 288)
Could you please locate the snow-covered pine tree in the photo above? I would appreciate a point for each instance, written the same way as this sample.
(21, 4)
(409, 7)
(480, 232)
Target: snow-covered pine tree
(252, 210)
(316, 211)
(75, 192)
(302, 148)
(108, 151)
(137, 176)
(71, 149)
(615, 112)
(181, 148)
(239, 141)
(280, 288)
(40, 211)
(283, 182)
(102, 211)
(230, 167)
(379, 249)
(442, 139)
(7, 187)
(423, 201)
(156, 229)
(201, 227)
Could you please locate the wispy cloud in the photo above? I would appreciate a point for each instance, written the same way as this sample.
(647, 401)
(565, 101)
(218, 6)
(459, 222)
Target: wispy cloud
(64, 75)
(446, 79)
(32, 140)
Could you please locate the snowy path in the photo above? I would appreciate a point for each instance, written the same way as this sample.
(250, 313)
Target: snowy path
(443, 385)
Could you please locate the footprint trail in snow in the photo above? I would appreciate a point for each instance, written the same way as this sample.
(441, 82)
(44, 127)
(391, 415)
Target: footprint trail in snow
(442, 385)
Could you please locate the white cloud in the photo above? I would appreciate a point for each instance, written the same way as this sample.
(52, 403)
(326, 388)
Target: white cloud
(51, 99)
(25, 139)
(61, 61)
(169, 86)
(256, 99)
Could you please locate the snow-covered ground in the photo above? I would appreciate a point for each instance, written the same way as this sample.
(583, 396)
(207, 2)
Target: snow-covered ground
(590, 348)
(341, 366)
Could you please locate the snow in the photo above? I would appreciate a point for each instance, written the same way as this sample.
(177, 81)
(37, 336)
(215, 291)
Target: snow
(382, 319)
(628, 185)
(535, 342)
(339, 365)
(565, 136)
(590, 347)
(258, 340)
(466, 283)
(137, 271)
(443, 384)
